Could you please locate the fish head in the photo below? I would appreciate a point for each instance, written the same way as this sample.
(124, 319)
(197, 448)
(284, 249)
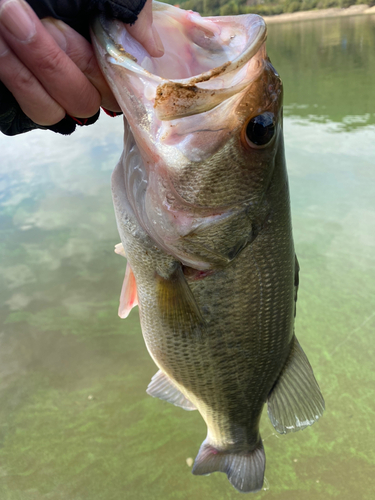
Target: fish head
(206, 119)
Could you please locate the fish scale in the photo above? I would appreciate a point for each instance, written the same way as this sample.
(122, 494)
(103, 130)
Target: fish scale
(202, 206)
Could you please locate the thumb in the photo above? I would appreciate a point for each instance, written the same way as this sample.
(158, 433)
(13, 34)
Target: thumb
(145, 33)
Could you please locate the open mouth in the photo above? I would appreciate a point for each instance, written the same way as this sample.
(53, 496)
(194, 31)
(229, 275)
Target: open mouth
(202, 55)
(193, 45)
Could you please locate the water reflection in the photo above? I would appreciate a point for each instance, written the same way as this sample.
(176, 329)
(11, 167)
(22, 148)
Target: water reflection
(328, 67)
(75, 422)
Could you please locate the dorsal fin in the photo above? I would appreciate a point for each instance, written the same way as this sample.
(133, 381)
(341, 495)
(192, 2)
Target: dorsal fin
(295, 401)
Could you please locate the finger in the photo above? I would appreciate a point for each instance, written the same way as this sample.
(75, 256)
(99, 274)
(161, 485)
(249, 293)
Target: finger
(27, 90)
(80, 51)
(37, 50)
(145, 33)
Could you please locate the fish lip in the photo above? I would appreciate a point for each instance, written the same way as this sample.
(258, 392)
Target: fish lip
(101, 28)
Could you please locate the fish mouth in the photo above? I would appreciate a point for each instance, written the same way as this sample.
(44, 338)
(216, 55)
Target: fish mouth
(206, 60)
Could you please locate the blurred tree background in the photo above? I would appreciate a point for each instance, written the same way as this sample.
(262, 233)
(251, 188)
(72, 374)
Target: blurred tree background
(261, 7)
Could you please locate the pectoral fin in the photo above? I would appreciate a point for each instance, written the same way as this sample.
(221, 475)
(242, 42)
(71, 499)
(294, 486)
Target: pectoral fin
(295, 401)
(128, 295)
(179, 311)
(163, 388)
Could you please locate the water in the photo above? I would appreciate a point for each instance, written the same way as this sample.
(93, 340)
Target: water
(75, 421)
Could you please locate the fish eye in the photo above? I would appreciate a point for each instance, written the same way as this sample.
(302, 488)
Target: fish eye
(260, 130)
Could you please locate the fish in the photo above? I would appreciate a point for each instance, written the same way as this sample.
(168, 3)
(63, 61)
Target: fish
(202, 207)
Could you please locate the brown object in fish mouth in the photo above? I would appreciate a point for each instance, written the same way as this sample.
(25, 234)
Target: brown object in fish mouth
(122, 51)
(176, 100)
(202, 207)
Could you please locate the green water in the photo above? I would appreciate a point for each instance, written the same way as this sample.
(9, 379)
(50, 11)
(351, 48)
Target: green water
(75, 421)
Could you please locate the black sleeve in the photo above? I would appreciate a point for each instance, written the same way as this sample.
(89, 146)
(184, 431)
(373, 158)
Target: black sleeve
(75, 13)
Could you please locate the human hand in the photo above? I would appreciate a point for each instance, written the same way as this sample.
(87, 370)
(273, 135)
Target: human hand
(51, 69)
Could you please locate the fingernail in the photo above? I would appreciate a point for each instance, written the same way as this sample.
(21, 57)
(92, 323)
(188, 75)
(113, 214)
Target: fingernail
(57, 33)
(15, 18)
(4, 49)
(158, 43)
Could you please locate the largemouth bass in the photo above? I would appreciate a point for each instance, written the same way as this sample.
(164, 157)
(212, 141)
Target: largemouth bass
(202, 207)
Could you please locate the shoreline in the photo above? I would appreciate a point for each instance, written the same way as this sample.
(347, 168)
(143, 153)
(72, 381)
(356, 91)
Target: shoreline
(353, 10)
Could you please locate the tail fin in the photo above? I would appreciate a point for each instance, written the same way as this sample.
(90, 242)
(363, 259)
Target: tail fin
(245, 470)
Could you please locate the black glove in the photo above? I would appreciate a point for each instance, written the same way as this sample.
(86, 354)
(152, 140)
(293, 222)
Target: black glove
(77, 14)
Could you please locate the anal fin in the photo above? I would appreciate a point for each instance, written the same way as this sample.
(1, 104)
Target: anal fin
(163, 388)
(295, 401)
(245, 470)
(128, 295)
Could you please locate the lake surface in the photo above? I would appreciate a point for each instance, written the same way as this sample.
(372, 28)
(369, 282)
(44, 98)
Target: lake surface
(75, 421)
